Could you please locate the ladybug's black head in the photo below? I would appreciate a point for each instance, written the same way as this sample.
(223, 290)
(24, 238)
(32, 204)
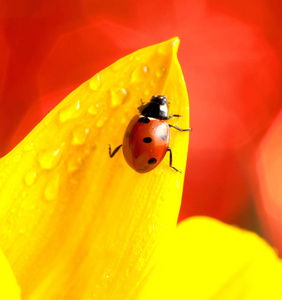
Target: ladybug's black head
(160, 99)
(157, 108)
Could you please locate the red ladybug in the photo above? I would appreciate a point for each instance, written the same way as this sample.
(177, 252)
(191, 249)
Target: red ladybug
(147, 136)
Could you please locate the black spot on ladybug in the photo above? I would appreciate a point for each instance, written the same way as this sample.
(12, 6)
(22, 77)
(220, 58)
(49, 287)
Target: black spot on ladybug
(127, 135)
(147, 140)
(163, 137)
(152, 161)
(144, 120)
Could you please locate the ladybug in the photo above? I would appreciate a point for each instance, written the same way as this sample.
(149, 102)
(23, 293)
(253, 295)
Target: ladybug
(146, 139)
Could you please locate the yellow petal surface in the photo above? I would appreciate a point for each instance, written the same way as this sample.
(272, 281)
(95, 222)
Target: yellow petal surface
(9, 288)
(74, 223)
(208, 260)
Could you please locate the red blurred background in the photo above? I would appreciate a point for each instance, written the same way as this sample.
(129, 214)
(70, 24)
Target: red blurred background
(230, 54)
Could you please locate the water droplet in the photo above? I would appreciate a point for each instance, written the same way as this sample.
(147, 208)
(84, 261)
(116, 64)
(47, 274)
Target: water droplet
(30, 177)
(95, 82)
(70, 112)
(108, 274)
(160, 72)
(17, 158)
(148, 91)
(79, 135)
(119, 96)
(90, 147)
(93, 109)
(139, 74)
(132, 56)
(151, 228)
(141, 262)
(48, 159)
(101, 121)
(52, 188)
(123, 119)
(73, 163)
(28, 147)
(136, 56)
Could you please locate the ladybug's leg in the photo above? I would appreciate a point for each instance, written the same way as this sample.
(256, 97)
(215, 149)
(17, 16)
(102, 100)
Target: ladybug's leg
(172, 116)
(170, 160)
(115, 151)
(180, 129)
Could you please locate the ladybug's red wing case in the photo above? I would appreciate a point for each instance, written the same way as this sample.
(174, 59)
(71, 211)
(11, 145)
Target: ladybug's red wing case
(145, 143)
(127, 143)
(147, 136)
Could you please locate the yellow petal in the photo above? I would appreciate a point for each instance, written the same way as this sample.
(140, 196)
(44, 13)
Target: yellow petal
(9, 288)
(76, 224)
(209, 260)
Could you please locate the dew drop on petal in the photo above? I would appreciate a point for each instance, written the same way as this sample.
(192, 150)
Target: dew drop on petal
(107, 274)
(93, 109)
(123, 119)
(141, 262)
(30, 177)
(48, 159)
(74, 162)
(137, 57)
(151, 228)
(139, 74)
(28, 147)
(17, 158)
(148, 92)
(52, 188)
(90, 148)
(79, 135)
(160, 72)
(118, 97)
(71, 112)
(95, 82)
(101, 121)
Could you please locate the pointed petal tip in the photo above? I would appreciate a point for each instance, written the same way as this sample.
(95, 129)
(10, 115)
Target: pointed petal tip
(169, 46)
(175, 41)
